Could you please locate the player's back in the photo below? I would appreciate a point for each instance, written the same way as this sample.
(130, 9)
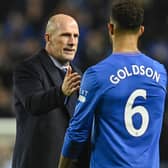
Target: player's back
(130, 112)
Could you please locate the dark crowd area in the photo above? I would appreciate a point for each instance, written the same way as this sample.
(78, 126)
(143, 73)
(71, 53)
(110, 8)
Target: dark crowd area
(22, 26)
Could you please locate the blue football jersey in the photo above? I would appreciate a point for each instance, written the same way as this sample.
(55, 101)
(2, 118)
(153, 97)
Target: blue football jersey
(121, 104)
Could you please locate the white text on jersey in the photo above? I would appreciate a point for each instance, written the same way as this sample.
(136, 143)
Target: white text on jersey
(134, 70)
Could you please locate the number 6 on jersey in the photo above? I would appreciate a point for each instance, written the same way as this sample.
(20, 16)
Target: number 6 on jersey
(130, 111)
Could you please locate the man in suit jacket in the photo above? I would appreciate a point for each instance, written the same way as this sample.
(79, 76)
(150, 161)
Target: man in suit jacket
(45, 96)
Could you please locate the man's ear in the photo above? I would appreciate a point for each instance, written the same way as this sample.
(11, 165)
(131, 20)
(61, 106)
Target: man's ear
(47, 37)
(111, 28)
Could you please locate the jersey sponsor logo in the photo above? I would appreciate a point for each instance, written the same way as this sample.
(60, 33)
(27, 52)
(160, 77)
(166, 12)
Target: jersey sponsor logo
(133, 71)
(82, 95)
(82, 98)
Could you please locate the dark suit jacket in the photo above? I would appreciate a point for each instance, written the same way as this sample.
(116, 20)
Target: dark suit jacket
(42, 117)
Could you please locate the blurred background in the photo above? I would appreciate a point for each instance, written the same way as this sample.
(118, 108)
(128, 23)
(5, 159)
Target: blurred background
(22, 24)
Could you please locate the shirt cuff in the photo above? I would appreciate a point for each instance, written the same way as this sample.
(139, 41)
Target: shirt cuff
(72, 149)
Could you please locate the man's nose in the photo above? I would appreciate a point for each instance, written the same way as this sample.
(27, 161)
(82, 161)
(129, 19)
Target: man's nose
(71, 40)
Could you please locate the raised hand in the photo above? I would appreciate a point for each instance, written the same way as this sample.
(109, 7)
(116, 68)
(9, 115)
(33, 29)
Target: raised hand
(71, 82)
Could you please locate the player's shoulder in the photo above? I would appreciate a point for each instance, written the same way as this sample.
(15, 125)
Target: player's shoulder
(101, 64)
(154, 62)
(98, 72)
(92, 70)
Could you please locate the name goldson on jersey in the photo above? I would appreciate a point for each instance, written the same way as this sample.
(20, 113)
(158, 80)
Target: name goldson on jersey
(135, 70)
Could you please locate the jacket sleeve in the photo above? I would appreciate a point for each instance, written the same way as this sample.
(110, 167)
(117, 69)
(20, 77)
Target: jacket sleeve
(29, 89)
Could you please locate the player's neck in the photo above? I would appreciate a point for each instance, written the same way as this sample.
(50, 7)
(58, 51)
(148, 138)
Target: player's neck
(125, 44)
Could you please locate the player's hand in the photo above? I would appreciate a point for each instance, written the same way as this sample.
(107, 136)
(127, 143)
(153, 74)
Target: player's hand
(71, 82)
(65, 162)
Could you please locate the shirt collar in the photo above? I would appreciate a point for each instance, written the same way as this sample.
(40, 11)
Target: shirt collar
(58, 64)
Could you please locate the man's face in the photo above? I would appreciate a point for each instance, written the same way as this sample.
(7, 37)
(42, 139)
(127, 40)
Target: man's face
(64, 41)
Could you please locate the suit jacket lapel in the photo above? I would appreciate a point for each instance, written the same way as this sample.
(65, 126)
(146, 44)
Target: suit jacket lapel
(53, 72)
(55, 75)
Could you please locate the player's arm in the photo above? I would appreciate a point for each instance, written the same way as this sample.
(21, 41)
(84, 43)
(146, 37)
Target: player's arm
(66, 162)
(81, 123)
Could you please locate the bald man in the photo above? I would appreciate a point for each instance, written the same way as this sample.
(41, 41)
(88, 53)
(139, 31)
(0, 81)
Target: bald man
(45, 92)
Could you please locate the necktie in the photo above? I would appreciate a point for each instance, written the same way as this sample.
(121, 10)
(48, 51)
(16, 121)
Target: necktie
(64, 70)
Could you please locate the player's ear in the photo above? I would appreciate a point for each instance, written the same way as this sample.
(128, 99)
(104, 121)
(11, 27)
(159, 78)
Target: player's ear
(111, 28)
(141, 30)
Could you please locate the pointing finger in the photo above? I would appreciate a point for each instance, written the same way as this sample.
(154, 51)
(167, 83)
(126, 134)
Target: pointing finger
(69, 70)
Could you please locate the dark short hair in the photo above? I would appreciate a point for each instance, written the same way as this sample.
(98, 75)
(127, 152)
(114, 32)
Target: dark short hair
(127, 14)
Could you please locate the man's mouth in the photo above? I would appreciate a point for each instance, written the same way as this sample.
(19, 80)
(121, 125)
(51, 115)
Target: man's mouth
(69, 50)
